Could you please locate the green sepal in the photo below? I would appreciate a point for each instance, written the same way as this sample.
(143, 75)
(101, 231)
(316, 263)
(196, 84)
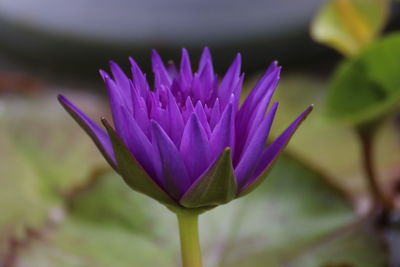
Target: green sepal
(217, 186)
(132, 173)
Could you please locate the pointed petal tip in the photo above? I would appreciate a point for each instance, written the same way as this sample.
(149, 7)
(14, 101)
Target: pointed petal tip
(65, 102)
(61, 98)
(308, 109)
(184, 50)
(206, 53)
(238, 58)
(112, 63)
(104, 75)
(105, 122)
(154, 53)
(133, 62)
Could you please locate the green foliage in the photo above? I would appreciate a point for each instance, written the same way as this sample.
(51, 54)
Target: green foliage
(355, 245)
(349, 25)
(367, 87)
(80, 244)
(38, 161)
(105, 223)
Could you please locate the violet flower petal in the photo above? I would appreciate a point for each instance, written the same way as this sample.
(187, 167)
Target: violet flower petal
(251, 155)
(140, 146)
(98, 135)
(175, 174)
(223, 133)
(132, 172)
(160, 72)
(194, 138)
(271, 153)
(229, 81)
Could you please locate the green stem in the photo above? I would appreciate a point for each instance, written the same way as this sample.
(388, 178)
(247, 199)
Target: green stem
(189, 235)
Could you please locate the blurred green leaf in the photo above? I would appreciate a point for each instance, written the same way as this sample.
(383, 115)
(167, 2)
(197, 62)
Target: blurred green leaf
(107, 224)
(333, 148)
(21, 202)
(349, 25)
(81, 245)
(367, 87)
(42, 154)
(108, 202)
(354, 245)
(292, 209)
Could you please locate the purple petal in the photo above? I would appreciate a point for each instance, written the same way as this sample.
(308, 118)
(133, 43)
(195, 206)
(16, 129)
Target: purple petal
(160, 115)
(133, 173)
(251, 155)
(117, 104)
(138, 78)
(206, 61)
(254, 108)
(175, 120)
(172, 70)
(223, 133)
(139, 145)
(271, 153)
(264, 86)
(174, 172)
(140, 112)
(229, 81)
(185, 73)
(215, 114)
(207, 79)
(160, 72)
(120, 78)
(189, 109)
(98, 135)
(195, 148)
(201, 114)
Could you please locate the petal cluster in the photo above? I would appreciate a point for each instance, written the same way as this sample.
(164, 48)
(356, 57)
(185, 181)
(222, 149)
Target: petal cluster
(187, 141)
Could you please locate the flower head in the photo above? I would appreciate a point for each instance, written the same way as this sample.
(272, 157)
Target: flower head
(188, 142)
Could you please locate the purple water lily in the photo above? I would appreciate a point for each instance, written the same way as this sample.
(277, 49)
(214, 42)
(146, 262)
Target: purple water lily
(188, 143)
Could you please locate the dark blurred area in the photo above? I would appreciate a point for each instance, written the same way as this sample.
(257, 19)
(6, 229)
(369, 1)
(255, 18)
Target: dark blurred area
(75, 38)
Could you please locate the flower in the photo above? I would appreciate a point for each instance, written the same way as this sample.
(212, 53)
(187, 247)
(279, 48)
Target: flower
(188, 143)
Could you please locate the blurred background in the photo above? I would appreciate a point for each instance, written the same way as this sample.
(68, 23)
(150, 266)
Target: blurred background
(60, 203)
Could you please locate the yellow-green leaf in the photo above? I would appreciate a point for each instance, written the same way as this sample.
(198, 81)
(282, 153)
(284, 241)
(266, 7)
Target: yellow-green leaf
(349, 25)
